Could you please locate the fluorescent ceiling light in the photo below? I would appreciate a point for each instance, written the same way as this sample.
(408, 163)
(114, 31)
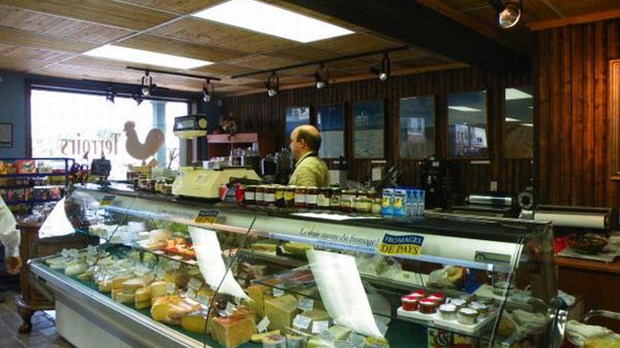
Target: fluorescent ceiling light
(145, 57)
(272, 20)
(527, 124)
(514, 94)
(510, 119)
(463, 108)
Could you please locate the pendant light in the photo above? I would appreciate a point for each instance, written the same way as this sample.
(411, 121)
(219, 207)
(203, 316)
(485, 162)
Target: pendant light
(272, 84)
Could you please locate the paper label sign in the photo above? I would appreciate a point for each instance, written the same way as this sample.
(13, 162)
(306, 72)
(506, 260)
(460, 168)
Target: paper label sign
(190, 294)
(107, 200)
(170, 287)
(277, 292)
(319, 326)
(206, 216)
(230, 309)
(410, 245)
(194, 284)
(301, 322)
(306, 304)
(263, 324)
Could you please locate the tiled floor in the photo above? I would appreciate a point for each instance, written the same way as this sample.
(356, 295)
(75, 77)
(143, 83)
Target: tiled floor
(43, 334)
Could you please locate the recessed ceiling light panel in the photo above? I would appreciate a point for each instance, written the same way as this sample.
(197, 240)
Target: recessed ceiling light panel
(272, 20)
(463, 108)
(145, 57)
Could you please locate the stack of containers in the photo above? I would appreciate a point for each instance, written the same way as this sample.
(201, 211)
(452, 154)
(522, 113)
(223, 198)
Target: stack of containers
(402, 201)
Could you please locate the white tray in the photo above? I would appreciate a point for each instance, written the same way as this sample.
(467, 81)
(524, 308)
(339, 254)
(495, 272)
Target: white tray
(452, 325)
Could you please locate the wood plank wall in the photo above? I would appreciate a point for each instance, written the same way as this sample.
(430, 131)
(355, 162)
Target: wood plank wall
(259, 113)
(572, 80)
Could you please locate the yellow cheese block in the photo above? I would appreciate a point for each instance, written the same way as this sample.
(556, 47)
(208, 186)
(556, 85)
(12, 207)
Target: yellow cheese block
(160, 307)
(316, 315)
(257, 295)
(105, 286)
(180, 277)
(159, 289)
(340, 333)
(235, 330)
(258, 338)
(144, 294)
(122, 297)
(130, 286)
(118, 281)
(194, 322)
(142, 304)
(281, 311)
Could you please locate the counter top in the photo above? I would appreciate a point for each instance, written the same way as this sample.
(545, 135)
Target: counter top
(568, 262)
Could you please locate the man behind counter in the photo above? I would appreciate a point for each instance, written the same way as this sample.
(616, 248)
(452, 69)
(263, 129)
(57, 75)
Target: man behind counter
(310, 170)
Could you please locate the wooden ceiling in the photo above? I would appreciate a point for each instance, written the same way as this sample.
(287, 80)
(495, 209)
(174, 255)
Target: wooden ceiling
(48, 37)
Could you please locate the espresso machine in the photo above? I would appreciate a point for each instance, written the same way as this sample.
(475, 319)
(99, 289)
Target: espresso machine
(437, 180)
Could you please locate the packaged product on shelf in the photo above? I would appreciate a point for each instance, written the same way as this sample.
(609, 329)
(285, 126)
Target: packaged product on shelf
(26, 167)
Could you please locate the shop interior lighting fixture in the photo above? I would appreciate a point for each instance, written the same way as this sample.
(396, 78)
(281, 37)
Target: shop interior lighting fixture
(272, 84)
(146, 57)
(382, 72)
(208, 91)
(271, 20)
(321, 77)
(138, 98)
(147, 86)
(508, 12)
(110, 94)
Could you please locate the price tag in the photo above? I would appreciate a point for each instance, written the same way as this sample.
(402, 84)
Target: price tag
(382, 327)
(174, 265)
(306, 304)
(176, 257)
(301, 322)
(206, 216)
(263, 324)
(327, 335)
(170, 287)
(191, 262)
(107, 200)
(202, 299)
(159, 272)
(194, 284)
(277, 292)
(91, 250)
(158, 252)
(190, 294)
(230, 309)
(356, 340)
(344, 344)
(319, 326)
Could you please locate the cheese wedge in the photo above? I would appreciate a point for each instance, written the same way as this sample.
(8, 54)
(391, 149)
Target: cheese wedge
(194, 322)
(130, 286)
(281, 311)
(159, 289)
(143, 294)
(233, 331)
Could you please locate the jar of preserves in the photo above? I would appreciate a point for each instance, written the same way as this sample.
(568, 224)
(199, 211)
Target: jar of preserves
(312, 193)
(323, 199)
(249, 196)
(335, 199)
(363, 204)
(289, 196)
(260, 194)
(270, 195)
(347, 200)
(300, 197)
(280, 191)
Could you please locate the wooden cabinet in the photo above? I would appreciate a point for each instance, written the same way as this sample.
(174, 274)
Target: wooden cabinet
(222, 144)
(33, 298)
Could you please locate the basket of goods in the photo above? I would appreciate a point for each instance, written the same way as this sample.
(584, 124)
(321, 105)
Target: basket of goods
(587, 243)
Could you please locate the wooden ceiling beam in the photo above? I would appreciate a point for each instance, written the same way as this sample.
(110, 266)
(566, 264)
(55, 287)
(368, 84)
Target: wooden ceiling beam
(586, 18)
(415, 24)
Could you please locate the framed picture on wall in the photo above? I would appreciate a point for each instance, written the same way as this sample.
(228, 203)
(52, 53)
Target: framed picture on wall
(330, 122)
(296, 116)
(6, 135)
(417, 127)
(368, 129)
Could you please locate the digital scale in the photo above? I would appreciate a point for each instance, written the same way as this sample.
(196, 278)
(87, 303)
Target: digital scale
(205, 183)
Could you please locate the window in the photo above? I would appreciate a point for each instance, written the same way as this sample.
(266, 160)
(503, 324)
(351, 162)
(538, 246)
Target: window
(330, 122)
(467, 119)
(85, 127)
(519, 126)
(417, 127)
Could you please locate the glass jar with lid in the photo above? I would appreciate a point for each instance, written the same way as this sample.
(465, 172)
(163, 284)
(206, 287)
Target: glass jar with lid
(300, 197)
(312, 193)
(323, 200)
(289, 196)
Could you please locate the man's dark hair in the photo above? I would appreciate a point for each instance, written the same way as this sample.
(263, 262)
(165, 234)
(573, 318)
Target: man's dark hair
(312, 139)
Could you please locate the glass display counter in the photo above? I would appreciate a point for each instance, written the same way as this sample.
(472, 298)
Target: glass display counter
(185, 273)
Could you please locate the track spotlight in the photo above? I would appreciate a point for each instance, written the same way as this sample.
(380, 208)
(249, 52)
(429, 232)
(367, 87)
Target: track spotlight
(383, 73)
(208, 91)
(110, 94)
(272, 84)
(508, 12)
(147, 86)
(321, 77)
(138, 98)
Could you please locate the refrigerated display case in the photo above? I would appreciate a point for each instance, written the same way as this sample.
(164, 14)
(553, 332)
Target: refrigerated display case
(186, 273)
